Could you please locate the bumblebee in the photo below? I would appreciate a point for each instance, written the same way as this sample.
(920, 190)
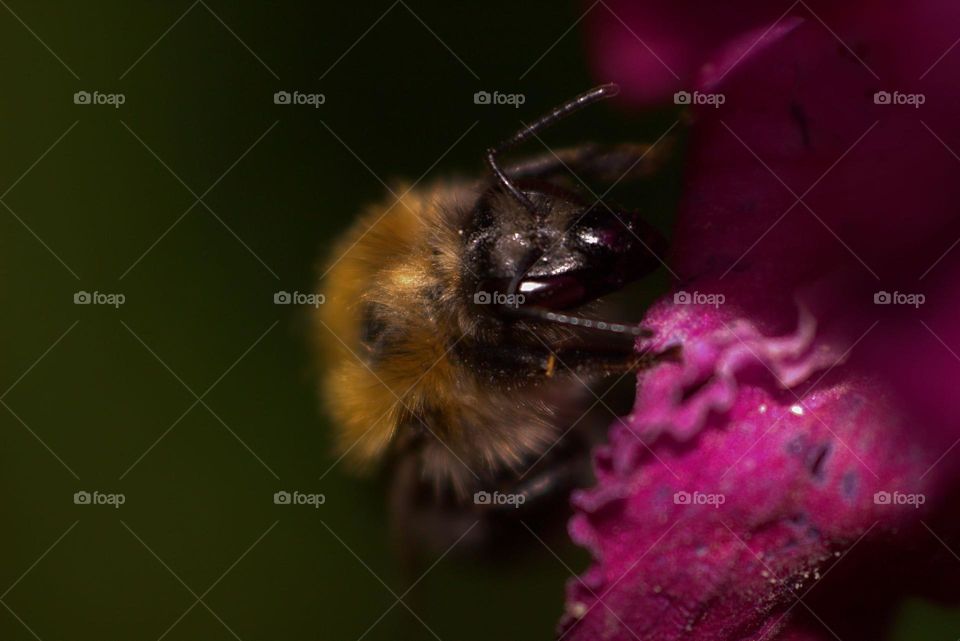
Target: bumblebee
(460, 330)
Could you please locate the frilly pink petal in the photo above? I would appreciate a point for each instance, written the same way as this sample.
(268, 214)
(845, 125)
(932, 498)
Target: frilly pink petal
(785, 479)
(711, 362)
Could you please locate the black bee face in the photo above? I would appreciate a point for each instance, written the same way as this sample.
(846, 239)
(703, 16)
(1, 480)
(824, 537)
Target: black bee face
(562, 255)
(543, 247)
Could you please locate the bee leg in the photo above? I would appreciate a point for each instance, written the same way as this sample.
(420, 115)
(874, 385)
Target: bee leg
(537, 499)
(548, 484)
(422, 523)
(604, 163)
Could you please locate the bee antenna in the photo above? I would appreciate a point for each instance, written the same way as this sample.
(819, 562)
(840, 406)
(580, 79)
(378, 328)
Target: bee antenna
(527, 131)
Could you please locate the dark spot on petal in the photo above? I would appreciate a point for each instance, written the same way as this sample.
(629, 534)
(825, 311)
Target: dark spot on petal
(796, 446)
(817, 458)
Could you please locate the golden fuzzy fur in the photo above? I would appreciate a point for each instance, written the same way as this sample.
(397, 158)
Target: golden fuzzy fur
(405, 257)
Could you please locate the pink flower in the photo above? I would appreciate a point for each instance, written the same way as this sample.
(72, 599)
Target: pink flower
(792, 477)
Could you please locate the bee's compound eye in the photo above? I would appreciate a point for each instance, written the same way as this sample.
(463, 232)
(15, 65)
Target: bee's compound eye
(553, 292)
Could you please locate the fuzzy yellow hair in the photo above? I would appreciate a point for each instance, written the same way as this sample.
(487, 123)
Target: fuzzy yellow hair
(405, 259)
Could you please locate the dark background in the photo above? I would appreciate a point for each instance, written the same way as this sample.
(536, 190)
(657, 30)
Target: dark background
(97, 398)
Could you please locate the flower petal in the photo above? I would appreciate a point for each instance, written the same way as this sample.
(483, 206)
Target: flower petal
(746, 468)
(655, 47)
(724, 495)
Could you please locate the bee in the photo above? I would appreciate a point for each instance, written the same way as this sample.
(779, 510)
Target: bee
(460, 332)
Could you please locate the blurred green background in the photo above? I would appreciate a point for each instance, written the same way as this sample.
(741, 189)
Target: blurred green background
(97, 398)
